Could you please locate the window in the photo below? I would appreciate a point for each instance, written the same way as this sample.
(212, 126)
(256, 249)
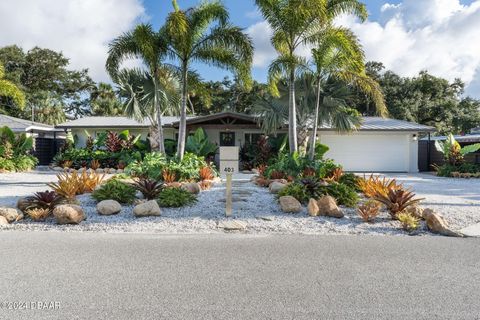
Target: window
(227, 139)
(252, 138)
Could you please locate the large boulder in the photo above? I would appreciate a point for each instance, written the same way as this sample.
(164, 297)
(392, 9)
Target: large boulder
(191, 187)
(68, 214)
(11, 214)
(312, 208)
(290, 204)
(276, 186)
(327, 206)
(3, 221)
(437, 224)
(108, 207)
(149, 208)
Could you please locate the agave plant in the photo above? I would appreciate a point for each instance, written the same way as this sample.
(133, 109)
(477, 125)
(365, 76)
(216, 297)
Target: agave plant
(397, 200)
(149, 188)
(44, 200)
(374, 185)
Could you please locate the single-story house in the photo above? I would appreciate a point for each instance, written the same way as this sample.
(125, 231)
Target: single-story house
(47, 139)
(379, 145)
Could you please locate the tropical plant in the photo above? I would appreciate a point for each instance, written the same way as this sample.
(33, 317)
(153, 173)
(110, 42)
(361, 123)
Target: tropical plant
(44, 200)
(38, 213)
(350, 179)
(113, 142)
(150, 47)
(12, 145)
(296, 190)
(296, 23)
(149, 188)
(206, 173)
(344, 194)
(397, 200)
(205, 184)
(204, 34)
(199, 144)
(67, 186)
(338, 55)
(88, 180)
(313, 186)
(94, 164)
(453, 153)
(116, 190)
(368, 210)
(25, 162)
(374, 186)
(175, 197)
(10, 90)
(168, 176)
(336, 175)
(409, 221)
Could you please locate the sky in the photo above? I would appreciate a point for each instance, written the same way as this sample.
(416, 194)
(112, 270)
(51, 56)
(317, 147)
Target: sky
(407, 36)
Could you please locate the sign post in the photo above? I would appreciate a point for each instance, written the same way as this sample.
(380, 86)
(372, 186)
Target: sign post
(228, 196)
(228, 166)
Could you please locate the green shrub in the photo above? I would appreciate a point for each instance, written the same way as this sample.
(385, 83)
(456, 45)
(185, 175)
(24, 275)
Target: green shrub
(7, 165)
(115, 189)
(447, 169)
(350, 180)
(175, 197)
(25, 163)
(344, 194)
(296, 190)
(294, 165)
(151, 166)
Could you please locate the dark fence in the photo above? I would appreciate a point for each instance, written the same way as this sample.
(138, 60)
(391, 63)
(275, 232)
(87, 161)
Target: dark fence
(46, 148)
(428, 156)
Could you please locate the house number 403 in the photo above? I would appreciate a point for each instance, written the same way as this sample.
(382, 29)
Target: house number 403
(229, 169)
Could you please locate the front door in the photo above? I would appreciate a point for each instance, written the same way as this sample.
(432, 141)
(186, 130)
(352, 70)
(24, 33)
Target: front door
(227, 139)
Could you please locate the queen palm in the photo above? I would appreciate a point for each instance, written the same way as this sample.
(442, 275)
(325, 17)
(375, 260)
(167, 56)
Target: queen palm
(203, 34)
(10, 90)
(338, 56)
(149, 46)
(296, 23)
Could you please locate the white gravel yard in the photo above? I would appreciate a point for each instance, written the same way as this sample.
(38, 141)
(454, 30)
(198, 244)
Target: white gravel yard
(457, 199)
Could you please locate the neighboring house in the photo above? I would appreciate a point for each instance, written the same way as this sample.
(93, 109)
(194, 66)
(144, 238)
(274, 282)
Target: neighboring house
(379, 145)
(47, 139)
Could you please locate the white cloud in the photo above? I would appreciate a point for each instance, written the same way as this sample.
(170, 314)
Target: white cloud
(81, 29)
(441, 36)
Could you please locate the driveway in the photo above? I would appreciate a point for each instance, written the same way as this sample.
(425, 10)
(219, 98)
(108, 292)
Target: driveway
(146, 276)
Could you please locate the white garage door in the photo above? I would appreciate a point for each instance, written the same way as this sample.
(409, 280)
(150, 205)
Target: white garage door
(376, 152)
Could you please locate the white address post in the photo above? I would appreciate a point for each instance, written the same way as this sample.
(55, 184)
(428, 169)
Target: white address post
(228, 166)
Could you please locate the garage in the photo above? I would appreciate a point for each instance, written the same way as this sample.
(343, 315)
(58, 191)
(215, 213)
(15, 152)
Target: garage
(379, 145)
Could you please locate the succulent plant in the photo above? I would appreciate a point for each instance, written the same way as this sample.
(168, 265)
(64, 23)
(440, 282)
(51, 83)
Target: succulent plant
(369, 210)
(149, 188)
(313, 187)
(397, 200)
(44, 200)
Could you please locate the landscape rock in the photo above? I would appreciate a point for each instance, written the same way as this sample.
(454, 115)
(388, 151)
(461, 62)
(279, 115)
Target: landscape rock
(290, 204)
(437, 224)
(81, 170)
(276, 186)
(3, 221)
(231, 225)
(312, 208)
(22, 204)
(191, 187)
(100, 170)
(174, 184)
(119, 170)
(68, 214)
(108, 207)
(416, 211)
(149, 208)
(327, 206)
(11, 214)
(57, 169)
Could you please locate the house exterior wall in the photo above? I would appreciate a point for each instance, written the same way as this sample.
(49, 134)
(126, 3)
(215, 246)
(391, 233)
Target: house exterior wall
(81, 136)
(379, 151)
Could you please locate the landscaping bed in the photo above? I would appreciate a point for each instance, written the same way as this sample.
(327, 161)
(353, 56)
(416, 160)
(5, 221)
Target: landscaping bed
(457, 200)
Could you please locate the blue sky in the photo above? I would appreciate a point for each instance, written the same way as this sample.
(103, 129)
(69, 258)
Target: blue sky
(407, 36)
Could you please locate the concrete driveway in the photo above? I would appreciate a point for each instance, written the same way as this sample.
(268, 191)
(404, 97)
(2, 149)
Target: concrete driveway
(144, 276)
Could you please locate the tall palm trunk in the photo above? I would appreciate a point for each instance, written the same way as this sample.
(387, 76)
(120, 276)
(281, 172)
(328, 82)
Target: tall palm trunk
(161, 144)
(292, 114)
(315, 123)
(182, 132)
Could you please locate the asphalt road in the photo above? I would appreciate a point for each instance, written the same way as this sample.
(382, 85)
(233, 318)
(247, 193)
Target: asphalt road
(145, 276)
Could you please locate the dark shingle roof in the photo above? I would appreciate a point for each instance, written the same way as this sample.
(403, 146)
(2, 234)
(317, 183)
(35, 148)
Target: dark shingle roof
(386, 124)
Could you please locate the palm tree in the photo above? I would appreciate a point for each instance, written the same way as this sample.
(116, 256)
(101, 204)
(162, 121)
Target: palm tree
(203, 34)
(297, 23)
(138, 90)
(10, 90)
(149, 46)
(104, 101)
(338, 55)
